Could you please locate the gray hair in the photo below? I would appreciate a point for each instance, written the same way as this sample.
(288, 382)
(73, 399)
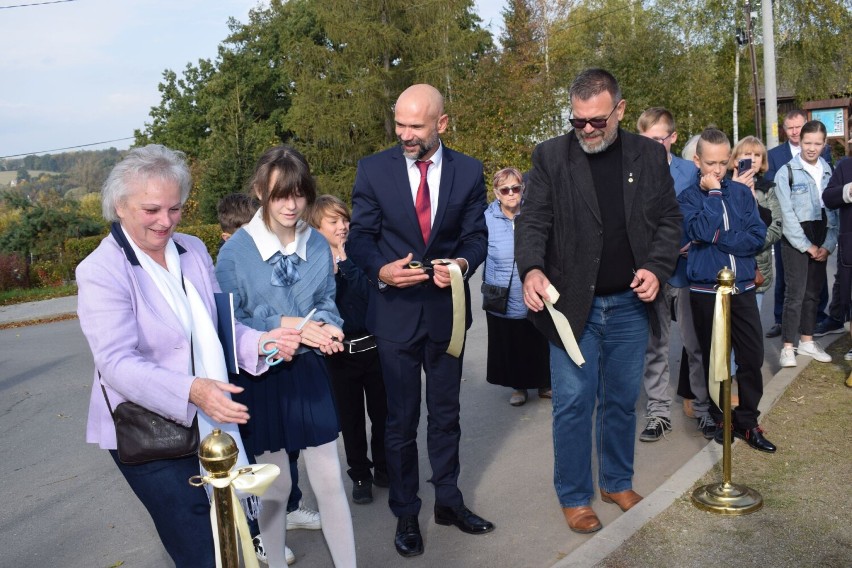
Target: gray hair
(593, 82)
(153, 161)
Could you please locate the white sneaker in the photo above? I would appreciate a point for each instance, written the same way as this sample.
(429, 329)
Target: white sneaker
(788, 357)
(260, 552)
(303, 518)
(813, 349)
(848, 355)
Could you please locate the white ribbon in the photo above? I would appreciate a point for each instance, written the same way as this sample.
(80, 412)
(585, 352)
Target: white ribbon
(720, 352)
(459, 306)
(563, 328)
(253, 479)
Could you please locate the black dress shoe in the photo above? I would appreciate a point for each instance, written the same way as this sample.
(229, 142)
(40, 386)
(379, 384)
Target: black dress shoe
(754, 438)
(463, 518)
(408, 540)
(774, 331)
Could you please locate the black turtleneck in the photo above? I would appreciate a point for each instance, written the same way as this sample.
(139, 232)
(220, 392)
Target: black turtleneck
(616, 267)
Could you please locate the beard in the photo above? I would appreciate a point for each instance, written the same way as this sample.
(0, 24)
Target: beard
(423, 146)
(603, 144)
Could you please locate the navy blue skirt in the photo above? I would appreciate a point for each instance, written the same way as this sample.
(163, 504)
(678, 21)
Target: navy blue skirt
(291, 406)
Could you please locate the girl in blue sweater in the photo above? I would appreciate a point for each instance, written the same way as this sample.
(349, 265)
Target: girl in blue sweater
(280, 272)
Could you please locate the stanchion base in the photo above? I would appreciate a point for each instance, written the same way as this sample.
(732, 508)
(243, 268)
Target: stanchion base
(727, 499)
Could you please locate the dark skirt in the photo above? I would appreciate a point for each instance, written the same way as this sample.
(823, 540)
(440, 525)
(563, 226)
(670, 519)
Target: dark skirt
(518, 355)
(291, 406)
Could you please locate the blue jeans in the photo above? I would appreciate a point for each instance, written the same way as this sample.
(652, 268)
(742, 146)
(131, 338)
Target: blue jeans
(613, 343)
(181, 513)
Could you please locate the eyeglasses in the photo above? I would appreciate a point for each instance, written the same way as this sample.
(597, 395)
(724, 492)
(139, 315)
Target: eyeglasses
(661, 140)
(511, 189)
(580, 123)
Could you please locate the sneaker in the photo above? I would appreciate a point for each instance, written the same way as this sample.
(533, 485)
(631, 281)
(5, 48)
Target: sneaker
(828, 325)
(848, 356)
(774, 331)
(708, 427)
(788, 357)
(303, 518)
(655, 429)
(813, 349)
(362, 492)
(260, 552)
(380, 478)
(518, 398)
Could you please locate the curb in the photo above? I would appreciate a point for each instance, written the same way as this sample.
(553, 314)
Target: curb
(613, 535)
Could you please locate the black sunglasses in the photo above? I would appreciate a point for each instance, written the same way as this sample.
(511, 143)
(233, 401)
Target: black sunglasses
(510, 189)
(580, 123)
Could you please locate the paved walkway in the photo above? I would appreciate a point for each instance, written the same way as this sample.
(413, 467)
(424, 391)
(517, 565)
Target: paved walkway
(689, 457)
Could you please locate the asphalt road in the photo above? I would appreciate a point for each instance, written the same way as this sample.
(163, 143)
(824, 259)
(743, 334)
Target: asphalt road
(65, 504)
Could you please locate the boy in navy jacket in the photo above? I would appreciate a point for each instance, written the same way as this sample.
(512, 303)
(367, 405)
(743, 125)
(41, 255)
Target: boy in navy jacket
(720, 218)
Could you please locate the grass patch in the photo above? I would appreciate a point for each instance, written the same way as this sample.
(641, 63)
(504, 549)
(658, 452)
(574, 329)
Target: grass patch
(21, 295)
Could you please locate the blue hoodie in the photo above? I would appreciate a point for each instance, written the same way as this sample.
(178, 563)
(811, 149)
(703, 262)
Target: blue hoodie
(725, 229)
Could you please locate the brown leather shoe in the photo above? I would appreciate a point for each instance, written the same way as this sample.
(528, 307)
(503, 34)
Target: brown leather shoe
(624, 499)
(582, 519)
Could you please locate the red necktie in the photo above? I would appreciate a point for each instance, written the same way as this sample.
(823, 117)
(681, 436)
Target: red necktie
(423, 204)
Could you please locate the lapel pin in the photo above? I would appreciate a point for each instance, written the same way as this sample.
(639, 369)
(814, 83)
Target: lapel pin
(630, 177)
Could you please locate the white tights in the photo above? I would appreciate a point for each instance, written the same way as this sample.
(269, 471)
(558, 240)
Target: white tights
(323, 467)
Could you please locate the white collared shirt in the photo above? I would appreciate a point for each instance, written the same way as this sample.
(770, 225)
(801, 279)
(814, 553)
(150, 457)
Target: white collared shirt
(267, 242)
(795, 150)
(433, 178)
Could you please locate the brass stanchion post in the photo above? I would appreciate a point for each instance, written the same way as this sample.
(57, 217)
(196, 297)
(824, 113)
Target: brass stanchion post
(218, 454)
(726, 498)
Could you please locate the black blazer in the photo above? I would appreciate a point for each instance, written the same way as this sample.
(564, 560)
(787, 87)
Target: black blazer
(384, 228)
(559, 229)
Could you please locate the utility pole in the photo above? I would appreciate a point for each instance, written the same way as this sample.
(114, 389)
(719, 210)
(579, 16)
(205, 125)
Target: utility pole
(750, 36)
(770, 89)
(741, 40)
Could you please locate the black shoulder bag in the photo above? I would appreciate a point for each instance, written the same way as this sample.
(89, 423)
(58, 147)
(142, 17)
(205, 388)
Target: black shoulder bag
(496, 298)
(144, 436)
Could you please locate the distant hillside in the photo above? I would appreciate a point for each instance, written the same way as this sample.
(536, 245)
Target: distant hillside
(6, 178)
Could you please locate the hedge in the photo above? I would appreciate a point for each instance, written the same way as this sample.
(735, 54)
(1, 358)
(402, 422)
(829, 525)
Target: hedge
(77, 249)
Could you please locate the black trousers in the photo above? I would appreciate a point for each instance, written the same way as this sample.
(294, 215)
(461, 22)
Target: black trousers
(747, 342)
(356, 377)
(804, 279)
(402, 365)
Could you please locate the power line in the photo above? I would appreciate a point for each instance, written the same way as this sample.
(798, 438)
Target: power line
(36, 4)
(67, 148)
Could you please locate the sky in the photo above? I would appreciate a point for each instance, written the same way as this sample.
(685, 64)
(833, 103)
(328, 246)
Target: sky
(84, 71)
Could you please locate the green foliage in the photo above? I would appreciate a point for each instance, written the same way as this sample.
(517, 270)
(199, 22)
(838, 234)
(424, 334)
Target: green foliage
(210, 234)
(20, 295)
(76, 249)
(44, 225)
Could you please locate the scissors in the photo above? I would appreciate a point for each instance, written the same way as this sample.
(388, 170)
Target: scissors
(271, 353)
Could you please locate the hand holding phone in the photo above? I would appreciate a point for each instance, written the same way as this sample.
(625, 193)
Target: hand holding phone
(743, 165)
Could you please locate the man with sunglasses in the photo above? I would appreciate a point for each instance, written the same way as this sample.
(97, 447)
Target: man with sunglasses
(602, 224)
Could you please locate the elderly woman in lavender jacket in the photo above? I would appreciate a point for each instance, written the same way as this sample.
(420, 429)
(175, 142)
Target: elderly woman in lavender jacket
(145, 301)
(518, 355)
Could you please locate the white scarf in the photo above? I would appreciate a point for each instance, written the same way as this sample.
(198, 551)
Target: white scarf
(200, 332)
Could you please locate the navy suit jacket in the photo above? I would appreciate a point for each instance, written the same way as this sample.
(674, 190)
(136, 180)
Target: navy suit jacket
(781, 154)
(384, 228)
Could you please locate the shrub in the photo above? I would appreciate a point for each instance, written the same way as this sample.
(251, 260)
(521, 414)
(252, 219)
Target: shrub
(48, 273)
(211, 235)
(13, 272)
(77, 249)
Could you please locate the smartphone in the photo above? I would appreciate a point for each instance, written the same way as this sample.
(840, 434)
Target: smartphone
(743, 165)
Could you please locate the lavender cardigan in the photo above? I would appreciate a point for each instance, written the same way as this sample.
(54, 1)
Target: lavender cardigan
(137, 342)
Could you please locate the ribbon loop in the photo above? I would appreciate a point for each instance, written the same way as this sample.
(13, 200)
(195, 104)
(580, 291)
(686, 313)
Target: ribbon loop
(563, 327)
(254, 479)
(459, 306)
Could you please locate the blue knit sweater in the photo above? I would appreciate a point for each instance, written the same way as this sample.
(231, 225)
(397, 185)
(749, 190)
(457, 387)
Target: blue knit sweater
(260, 304)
